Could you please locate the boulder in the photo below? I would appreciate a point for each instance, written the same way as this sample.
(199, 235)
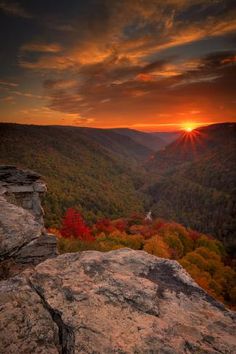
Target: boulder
(123, 301)
(18, 227)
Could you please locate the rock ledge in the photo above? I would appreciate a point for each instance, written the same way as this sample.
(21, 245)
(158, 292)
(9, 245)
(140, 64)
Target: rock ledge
(123, 301)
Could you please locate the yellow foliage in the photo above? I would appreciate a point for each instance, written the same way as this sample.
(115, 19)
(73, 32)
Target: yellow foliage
(117, 239)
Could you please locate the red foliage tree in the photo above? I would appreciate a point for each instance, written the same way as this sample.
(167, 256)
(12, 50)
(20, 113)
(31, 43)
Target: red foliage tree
(194, 235)
(121, 225)
(104, 225)
(158, 224)
(73, 225)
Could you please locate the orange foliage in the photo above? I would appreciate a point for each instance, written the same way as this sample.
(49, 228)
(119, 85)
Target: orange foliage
(157, 247)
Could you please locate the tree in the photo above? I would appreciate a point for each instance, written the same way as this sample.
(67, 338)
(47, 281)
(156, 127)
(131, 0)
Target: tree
(157, 247)
(180, 232)
(104, 225)
(74, 226)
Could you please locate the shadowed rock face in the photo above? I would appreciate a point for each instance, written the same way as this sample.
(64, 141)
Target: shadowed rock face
(123, 301)
(23, 188)
(22, 235)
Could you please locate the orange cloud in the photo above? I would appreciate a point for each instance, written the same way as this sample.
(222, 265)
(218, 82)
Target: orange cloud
(145, 77)
(229, 60)
(60, 84)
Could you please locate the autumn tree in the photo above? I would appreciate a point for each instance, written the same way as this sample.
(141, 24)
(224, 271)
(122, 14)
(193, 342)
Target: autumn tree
(157, 247)
(73, 226)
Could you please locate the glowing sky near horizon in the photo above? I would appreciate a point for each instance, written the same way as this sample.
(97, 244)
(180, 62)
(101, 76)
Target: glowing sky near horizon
(144, 64)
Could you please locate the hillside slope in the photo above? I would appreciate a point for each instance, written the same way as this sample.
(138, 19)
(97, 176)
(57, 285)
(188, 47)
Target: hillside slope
(82, 168)
(125, 146)
(151, 141)
(195, 181)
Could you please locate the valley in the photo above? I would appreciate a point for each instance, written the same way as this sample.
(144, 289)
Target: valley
(116, 172)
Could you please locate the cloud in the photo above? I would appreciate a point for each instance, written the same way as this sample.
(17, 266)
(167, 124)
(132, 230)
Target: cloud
(197, 79)
(105, 100)
(59, 84)
(58, 63)
(29, 95)
(41, 47)
(8, 83)
(8, 99)
(145, 89)
(135, 33)
(14, 9)
(113, 59)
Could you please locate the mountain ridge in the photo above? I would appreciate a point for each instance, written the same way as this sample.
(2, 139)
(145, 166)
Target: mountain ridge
(194, 181)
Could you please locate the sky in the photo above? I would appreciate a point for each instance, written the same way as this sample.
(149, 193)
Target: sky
(144, 64)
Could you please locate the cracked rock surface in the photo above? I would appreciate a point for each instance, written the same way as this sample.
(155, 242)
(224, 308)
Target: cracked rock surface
(123, 301)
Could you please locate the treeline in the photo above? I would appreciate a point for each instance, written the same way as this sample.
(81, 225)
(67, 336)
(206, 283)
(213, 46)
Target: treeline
(202, 256)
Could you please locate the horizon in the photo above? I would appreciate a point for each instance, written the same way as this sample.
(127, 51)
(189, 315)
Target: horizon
(145, 65)
(184, 128)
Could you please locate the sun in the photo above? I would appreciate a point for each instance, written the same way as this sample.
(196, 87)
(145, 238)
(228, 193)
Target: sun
(188, 129)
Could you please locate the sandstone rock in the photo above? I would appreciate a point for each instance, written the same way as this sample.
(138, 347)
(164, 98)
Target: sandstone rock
(123, 301)
(22, 234)
(38, 250)
(12, 175)
(18, 227)
(23, 188)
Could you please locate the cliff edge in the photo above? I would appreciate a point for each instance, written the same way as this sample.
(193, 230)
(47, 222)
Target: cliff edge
(23, 238)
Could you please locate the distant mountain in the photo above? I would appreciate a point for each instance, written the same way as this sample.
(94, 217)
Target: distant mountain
(92, 169)
(192, 146)
(195, 181)
(167, 137)
(151, 141)
(125, 144)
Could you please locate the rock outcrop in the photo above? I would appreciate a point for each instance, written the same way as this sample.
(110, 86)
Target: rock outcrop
(123, 301)
(23, 239)
(23, 188)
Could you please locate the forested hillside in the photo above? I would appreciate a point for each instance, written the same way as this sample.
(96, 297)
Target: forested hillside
(84, 168)
(153, 141)
(110, 173)
(195, 181)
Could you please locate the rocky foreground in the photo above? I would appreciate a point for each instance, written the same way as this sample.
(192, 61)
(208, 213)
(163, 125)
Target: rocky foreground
(122, 301)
